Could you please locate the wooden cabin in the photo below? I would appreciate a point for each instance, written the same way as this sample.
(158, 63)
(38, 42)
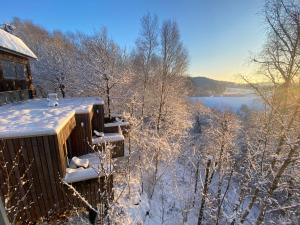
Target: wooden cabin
(47, 141)
(15, 73)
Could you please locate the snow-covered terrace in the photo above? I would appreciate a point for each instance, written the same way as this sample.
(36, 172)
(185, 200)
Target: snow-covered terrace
(36, 118)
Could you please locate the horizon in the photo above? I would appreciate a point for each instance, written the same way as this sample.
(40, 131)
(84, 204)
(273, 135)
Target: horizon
(220, 40)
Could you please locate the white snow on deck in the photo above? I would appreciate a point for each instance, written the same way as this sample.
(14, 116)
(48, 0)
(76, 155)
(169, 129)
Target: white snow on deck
(117, 123)
(14, 44)
(36, 118)
(108, 137)
(93, 171)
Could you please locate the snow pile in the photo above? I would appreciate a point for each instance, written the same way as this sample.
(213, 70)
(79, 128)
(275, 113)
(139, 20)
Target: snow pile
(81, 174)
(77, 162)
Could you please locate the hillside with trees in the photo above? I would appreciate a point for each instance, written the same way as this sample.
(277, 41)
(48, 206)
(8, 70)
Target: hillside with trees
(204, 86)
(186, 163)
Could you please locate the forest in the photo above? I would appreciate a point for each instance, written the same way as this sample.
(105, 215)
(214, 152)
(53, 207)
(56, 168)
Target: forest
(186, 163)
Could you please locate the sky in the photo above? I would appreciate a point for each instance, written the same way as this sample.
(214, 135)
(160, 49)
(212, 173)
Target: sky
(220, 35)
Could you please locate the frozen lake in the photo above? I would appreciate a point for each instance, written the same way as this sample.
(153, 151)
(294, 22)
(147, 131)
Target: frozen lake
(230, 103)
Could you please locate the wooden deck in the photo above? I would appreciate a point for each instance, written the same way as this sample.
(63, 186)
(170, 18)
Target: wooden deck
(34, 152)
(47, 156)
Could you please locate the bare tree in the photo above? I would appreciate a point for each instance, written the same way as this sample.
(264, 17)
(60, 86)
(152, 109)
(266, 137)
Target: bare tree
(147, 45)
(280, 59)
(173, 66)
(105, 66)
(55, 69)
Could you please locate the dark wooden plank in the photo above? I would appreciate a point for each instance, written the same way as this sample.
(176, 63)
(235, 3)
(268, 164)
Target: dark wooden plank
(47, 149)
(45, 177)
(98, 118)
(28, 187)
(56, 173)
(3, 176)
(36, 188)
(44, 196)
(13, 149)
(62, 166)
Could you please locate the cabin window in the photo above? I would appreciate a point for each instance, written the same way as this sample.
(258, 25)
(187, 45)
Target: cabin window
(20, 71)
(13, 70)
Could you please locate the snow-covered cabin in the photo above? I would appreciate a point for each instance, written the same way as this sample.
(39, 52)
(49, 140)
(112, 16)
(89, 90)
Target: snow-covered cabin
(15, 73)
(53, 143)
(51, 139)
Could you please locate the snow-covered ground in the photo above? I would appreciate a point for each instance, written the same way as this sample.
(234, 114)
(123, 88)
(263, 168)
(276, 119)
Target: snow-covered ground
(232, 100)
(174, 201)
(230, 103)
(169, 203)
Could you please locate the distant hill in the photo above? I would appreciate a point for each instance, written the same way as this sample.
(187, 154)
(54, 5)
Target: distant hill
(203, 86)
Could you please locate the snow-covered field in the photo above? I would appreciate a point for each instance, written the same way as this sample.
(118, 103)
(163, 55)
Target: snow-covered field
(233, 100)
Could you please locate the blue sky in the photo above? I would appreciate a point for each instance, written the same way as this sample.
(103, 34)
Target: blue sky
(220, 35)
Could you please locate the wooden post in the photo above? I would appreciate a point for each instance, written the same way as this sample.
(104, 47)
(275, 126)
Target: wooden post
(3, 216)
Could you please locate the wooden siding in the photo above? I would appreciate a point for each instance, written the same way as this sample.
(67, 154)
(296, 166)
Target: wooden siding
(98, 118)
(81, 136)
(92, 190)
(117, 148)
(115, 129)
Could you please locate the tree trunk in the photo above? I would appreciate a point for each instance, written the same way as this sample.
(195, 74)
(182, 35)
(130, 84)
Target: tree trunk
(204, 193)
(275, 181)
(251, 204)
(128, 163)
(143, 95)
(108, 99)
(155, 174)
(62, 90)
(223, 198)
(196, 180)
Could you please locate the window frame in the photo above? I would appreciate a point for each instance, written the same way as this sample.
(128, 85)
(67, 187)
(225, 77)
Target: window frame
(15, 64)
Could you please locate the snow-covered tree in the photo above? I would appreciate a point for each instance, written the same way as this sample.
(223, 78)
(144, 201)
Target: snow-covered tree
(105, 66)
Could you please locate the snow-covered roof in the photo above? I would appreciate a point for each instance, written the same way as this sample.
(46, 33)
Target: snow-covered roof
(36, 118)
(13, 44)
